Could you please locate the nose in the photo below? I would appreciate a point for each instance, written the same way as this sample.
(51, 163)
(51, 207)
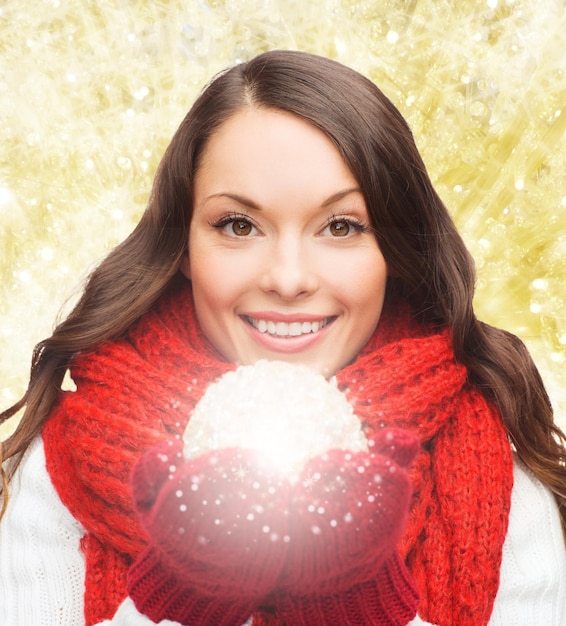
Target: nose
(289, 269)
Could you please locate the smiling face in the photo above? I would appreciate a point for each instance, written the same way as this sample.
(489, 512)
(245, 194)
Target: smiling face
(282, 260)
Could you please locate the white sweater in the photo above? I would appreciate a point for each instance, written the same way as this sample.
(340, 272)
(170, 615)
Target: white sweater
(42, 568)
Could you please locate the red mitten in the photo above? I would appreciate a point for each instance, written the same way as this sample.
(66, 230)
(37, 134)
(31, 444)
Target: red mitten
(216, 526)
(347, 515)
(388, 599)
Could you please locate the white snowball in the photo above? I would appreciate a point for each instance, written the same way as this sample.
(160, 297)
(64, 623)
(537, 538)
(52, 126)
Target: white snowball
(289, 412)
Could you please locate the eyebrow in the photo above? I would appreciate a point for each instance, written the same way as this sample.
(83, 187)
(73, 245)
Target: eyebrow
(234, 196)
(336, 197)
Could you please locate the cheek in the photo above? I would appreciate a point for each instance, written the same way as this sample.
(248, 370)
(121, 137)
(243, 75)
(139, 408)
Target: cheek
(367, 295)
(211, 282)
(219, 278)
(361, 279)
(213, 294)
(363, 294)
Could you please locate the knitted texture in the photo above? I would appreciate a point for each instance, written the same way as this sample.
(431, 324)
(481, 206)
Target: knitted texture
(219, 533)
(139, 389)
(348, 518)
(225, 536)
(387, 599)
(462, 477)
(348, 572)
(159, 594)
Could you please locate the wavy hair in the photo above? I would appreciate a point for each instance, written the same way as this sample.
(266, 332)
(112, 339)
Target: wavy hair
(427, 259)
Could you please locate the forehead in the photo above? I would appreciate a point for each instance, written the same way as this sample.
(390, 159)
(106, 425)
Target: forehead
(250, 123)
(259, 145)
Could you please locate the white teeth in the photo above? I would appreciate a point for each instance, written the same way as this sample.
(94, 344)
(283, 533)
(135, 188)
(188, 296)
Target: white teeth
(283, 329)
(295, 329)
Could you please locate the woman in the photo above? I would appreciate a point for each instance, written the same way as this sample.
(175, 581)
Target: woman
(295, 202)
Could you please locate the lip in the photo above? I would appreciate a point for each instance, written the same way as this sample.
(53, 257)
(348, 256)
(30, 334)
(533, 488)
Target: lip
(272, 316)
(287, 344)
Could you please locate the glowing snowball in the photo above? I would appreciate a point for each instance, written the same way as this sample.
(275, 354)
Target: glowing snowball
(289, 412)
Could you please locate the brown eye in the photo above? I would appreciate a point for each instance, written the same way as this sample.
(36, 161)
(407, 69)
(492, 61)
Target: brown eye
(339, 228)
(241, 228)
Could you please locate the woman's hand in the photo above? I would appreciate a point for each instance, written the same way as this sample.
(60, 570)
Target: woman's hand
(347, 514)
(217, 526)
(226, 531)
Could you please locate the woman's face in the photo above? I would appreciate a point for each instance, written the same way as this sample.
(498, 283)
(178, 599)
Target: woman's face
(281, 258)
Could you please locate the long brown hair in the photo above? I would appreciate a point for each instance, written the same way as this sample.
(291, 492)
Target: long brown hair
(426, 256)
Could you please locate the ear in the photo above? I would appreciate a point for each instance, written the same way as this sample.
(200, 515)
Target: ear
(186, 266)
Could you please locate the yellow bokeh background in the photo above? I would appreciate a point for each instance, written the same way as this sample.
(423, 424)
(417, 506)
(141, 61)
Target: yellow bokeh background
(91, 92)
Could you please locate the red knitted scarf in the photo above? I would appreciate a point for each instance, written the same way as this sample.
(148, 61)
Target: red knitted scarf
(134, 391)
